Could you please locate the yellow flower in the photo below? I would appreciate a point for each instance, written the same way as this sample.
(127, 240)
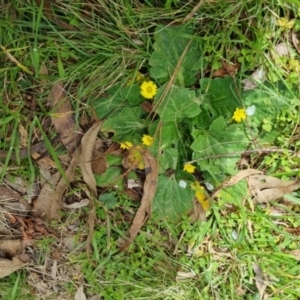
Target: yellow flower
(239, 115)
(148, 89)
(147, 140)
(189, 168)
(126, 145)
(200, 195)
(285, 23)
(294, 65)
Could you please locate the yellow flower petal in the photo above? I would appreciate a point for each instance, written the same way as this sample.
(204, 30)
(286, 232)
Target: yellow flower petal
(148, 89)
(202, 200)
(200, 195)
(147, 140)
(239, 115)
(285, 23)
(126, 145)
(189, 168)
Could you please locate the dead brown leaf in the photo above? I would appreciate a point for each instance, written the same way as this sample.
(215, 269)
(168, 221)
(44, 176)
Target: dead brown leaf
(241, 175)
(8, 266)
(80, 295)
(48, 204)
(296, 254)
(99, 165)
(227, 69)
(144, 211)
(197, 213)
(259, 280)
(295, 41)
(267, 188)
(10, 246)
(256, 77)
(86, 155)
(23, 136)
(63, 118)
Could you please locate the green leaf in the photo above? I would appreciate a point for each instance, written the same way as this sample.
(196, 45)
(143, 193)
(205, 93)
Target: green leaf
(203, 120)
(170, 45)
(177, 104)
(109, 200)
(168, 159)
(269, 102)
(220, 142)
(234, 194)
(127, 125)
(132, 94)
(165, 133)
(165, 144)
(171, 201)
(220, 97)
(103, 106)
(112, 177)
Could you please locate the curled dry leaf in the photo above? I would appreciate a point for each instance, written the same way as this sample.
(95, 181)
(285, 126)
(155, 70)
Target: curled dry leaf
(239, 176)
(8, 266)
(295, 41)
(197, 213)
(259, 280)
(86, 155)
(48, 204)
(263, 188)
(282, 49)
(81, 203)
(9, 262)
(257, 76)
(144, 211)
(80, 295)
(267, 188)
(63, 118)
(296, 254)
(23, 136)
(85, 158)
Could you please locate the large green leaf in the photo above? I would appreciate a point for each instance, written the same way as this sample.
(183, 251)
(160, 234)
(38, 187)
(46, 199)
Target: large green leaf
(269, 102)
(112, 101)
(127, 124)
(221, 144)
(220, 96)
(165, 133)
(111, 177)
(177, 104)
(171, 43)
(115, 98)
(171, 201)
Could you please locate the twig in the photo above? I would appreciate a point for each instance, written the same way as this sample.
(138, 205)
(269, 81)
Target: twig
(190, 15)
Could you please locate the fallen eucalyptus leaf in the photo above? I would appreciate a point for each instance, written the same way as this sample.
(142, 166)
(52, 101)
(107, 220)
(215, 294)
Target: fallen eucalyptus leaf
(144, 211)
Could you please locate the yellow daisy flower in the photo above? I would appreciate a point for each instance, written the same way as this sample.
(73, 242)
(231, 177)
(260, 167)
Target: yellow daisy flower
(239, 115)
(285, 23)
(148, 89)
(189, 168)
(147, 140)
(126, 145)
